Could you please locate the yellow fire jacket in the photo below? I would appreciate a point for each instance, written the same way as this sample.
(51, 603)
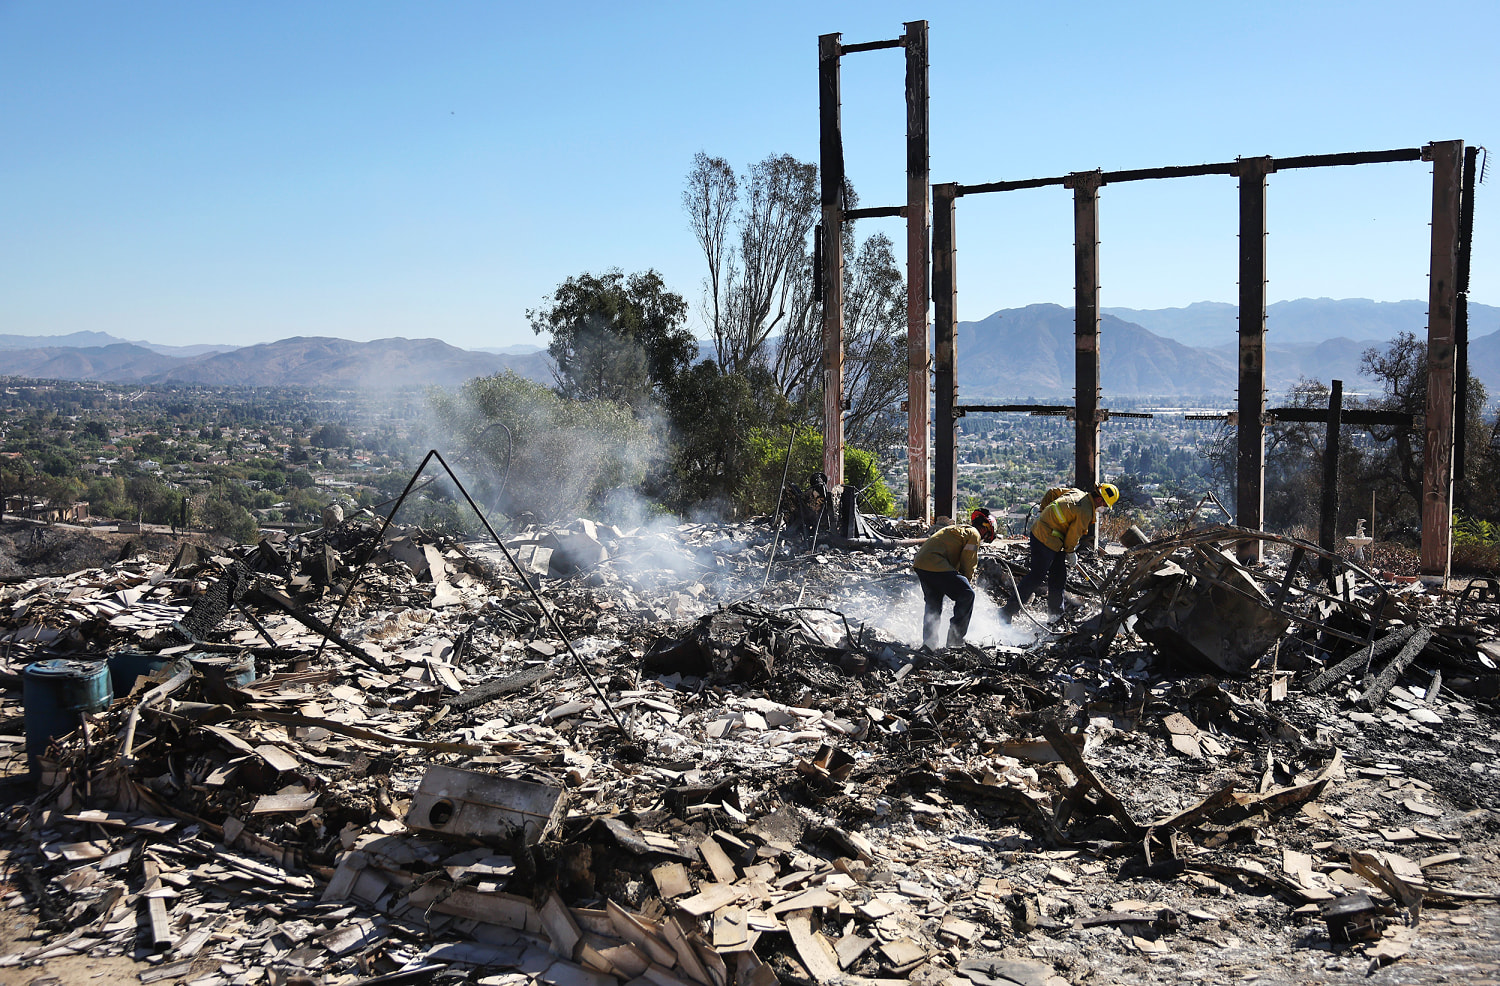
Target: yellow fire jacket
(1066, 516)
(955, 548)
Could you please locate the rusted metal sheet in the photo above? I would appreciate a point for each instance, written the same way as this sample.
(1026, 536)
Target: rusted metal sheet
(452, 801)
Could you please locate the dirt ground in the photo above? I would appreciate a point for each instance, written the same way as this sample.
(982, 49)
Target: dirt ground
(28, 548)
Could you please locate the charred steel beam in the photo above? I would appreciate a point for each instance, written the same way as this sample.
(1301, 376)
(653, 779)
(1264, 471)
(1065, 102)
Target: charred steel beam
(944, 322)
(866, 45)
(1172, 171)
(918, 233)
(1009, 186)
(1250, 459)
(1350, 416)
(1328, 517)
(831, 168)
(1218, 168)
(1461, 313)
(1437, 450)
(1023, 408)
(1085, 186)
(1348, 158)
(875, 212)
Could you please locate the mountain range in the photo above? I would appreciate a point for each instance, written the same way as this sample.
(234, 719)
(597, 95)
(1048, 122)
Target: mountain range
(1013, 353)
(312, 362)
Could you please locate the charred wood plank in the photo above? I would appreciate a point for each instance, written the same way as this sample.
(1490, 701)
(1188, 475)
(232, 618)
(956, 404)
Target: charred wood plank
(1376, 692)
(1363, 655)
(491, 690)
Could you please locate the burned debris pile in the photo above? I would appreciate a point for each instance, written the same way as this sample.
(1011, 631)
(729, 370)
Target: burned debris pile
(708, 754)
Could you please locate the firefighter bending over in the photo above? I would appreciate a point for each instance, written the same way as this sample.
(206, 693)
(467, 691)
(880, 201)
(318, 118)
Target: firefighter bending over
(945, 567)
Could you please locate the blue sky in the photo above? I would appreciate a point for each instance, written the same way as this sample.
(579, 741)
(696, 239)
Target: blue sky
(236, 172)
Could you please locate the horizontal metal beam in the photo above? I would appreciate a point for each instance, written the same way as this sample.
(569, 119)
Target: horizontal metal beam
(871, 46)
(1319, 415)
(1355, 157)
(1219, 168)
(1009, 186)
(1179, 171)
(875, 212)
(1022, 408)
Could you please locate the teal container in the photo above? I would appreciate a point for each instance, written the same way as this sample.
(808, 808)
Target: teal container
(56, 693)
(126, 666)
(235, 671)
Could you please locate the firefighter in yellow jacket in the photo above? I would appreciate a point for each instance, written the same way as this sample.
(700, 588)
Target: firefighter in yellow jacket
(945, 567)
(1066, 516)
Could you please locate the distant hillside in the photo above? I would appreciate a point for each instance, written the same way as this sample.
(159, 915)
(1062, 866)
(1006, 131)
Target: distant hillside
(1029, 352)
(1011, 354)
(102, 340)
(118, 363)
(1306, 320)
(298, 362)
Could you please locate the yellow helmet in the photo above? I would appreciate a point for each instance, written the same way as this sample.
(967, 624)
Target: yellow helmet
(1109, 493)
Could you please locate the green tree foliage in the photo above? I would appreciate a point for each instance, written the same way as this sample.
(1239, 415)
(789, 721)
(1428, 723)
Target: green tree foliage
(566, 456)
(713, 413)
(615, 338)
(769, 446)
(226, 519)
(331, 436)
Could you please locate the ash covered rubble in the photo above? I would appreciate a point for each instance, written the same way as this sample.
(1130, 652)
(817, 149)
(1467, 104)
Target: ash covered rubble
(709, 755)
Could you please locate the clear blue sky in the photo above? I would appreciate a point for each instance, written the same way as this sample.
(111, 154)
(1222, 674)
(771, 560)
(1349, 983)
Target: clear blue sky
(238, 172)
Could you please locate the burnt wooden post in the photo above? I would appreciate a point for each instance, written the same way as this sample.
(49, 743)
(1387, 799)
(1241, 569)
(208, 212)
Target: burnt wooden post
(1461, 313)
(831, 169)
(944, 326)
(918, 225)
(1085, 186)
(1250, 469)
(1437, 450)
(1328, 518)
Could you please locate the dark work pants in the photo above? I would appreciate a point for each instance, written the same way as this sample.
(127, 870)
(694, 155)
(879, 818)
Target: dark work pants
(1048, 565)
(937, 586)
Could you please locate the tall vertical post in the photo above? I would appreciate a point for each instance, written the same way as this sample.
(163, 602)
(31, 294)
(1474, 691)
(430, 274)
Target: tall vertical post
(1328, 517)
(1461, 313)
(1442, 299)
(1085, 186)
(944, 329)
(917, 228)
(831, 169)
(1250, 462)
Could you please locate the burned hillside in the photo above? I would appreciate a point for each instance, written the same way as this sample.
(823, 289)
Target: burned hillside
(708, 754)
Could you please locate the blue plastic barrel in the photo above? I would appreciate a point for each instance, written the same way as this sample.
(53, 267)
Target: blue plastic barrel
(55, 693)
(126, 666)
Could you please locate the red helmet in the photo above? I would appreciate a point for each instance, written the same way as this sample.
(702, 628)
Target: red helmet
(980, 518)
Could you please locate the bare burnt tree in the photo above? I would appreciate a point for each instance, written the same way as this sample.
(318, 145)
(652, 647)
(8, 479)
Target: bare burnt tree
(709, 199)
(875, 370)
(759, 292)
(753, 273)
(780, 212)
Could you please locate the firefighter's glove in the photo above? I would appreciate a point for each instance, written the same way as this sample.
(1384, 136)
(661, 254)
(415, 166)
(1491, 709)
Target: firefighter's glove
(1071, 558)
